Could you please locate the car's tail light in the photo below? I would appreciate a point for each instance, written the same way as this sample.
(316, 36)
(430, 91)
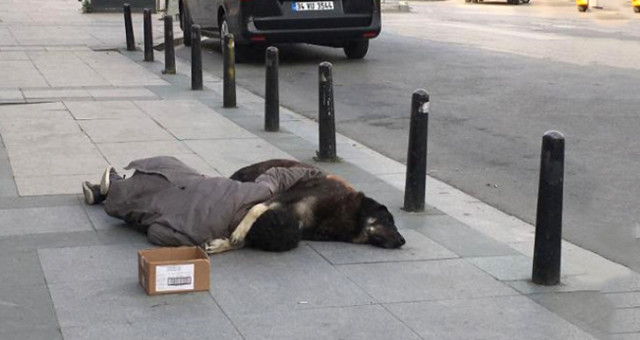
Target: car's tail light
(258, 38)
(369, 34)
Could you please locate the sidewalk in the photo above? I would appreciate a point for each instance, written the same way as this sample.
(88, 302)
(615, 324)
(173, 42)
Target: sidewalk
(72, 101)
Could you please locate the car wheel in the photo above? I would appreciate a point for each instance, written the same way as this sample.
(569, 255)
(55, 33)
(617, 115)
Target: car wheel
(223, 29)
(185, 24)
(582, 8)
(636, 9)
(356, 49)
(525, 1)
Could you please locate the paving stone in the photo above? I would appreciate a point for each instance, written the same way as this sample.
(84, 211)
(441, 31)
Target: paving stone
(359, 322)
(625, 320)
(515, 267)
(33, 333)
(586, 310)
(11, 96)
(118, 70)
(56, 94)
(19, 268)
(92, 263)
(624, 336)
(229, 155)
(121, 93)
(87, 110)
(624, 299)
(161, 328)
(17, 243)
(424, 280)
(43, 220)
(418, 247)
(268, 282)
(108, 302)
(623, 284)
(66, 69)
(567, 284)
(101, 220)
(26, 302)
(193, 160)
(20, 73)
(454, 235)
(115, 130)
(192, 120)
(511, 317)
(54, 185)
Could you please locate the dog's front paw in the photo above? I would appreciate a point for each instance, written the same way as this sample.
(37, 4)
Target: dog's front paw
(237, 238)
(217, 245)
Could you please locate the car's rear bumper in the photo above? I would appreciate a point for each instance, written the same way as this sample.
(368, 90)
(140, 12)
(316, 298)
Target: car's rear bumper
(329, 36)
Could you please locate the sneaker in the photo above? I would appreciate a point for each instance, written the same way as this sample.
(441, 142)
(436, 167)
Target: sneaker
(92, 193)
(109, 176)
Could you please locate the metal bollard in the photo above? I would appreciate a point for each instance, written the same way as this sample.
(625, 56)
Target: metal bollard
(416, 179)
(196, 58)
(148, 36)
(229, 72)
(128, 28)
(547, 248)
(271, 91)
(169, 51)
(326, 119)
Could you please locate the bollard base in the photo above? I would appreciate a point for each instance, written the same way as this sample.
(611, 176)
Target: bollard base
(168, 71)
(327, 160)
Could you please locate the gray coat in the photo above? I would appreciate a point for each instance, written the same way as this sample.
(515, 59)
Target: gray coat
(179, 206)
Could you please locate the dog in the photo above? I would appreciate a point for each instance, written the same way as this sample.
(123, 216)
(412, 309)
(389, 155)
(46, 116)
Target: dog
(323, 209)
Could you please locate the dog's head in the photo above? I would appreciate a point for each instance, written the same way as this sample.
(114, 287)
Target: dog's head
(377, 226)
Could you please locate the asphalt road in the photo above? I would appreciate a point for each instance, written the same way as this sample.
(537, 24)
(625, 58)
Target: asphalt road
(499, 77)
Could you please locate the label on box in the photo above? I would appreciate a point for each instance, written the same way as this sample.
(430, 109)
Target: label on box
(175, 277)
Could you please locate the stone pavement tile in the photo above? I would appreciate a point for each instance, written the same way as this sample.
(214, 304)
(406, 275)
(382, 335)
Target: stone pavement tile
(19, 268)
(87, 110)
(39, 201)
(229, 155)
(121, 93)
(100, 219)
(129, 130)
(357, 322)
(191, 159)
(586, 310)
(625, 320)
(161, 328)
(144, 149)
(494, 318)
(567, 284)
(12, 55)
(418, 247)
(51, 185)
(623, 284)
(20, 73)
(43, 220)
(516, 267)
(56, 94)
(624, 336)
(25, 307)
(249, 282)
(455, 235)
(101, 303)
(66, 69)
(5, 34)
(624, 299)
(46, 333)
(17, 243)
(11, 96)
(83, 48)
(192, 120)
(424, 280)
(118, 70)
(53, 35)
(91, 263)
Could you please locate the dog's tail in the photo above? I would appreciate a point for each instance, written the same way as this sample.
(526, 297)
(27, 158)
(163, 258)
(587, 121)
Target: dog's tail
(276, 230)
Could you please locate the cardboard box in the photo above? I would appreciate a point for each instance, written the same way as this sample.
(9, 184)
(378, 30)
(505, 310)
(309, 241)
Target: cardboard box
(173, 270)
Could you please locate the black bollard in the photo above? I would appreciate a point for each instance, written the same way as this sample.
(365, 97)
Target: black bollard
(326, 119)
(169, 51)
(229, 72)
(148, 36)
(271, 91)
(416, 180)
(128, 28)
(196, 58)
(547, 248)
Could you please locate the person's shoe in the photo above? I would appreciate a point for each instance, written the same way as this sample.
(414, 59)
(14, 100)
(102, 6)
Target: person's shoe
(108, 177)
(92, 193)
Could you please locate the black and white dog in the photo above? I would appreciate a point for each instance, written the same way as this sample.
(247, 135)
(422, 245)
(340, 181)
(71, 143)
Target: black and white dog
(320, 210)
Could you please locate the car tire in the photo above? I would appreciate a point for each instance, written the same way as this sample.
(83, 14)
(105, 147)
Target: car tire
(582, 8)
(185, 24)
(636, 9)
(356, 49)
(525, 1)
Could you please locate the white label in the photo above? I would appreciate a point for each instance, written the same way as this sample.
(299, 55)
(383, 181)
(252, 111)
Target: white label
(312, 6)
(177, 277)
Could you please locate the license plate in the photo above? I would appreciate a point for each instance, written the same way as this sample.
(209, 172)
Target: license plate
(312, 6)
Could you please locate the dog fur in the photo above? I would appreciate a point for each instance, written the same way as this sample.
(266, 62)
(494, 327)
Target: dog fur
(322, 209)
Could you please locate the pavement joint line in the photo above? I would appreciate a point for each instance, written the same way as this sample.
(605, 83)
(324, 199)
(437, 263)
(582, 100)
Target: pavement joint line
(469, 210)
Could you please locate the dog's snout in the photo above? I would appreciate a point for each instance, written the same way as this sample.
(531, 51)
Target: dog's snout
(402, 240)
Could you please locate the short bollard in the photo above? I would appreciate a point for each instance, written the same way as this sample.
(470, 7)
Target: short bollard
(326, 119)
(128, 28)
(547, 248)
(169, 50)
(271, 91)
(148, 36)
(196, 58)
(416, 179)
(229, 73)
